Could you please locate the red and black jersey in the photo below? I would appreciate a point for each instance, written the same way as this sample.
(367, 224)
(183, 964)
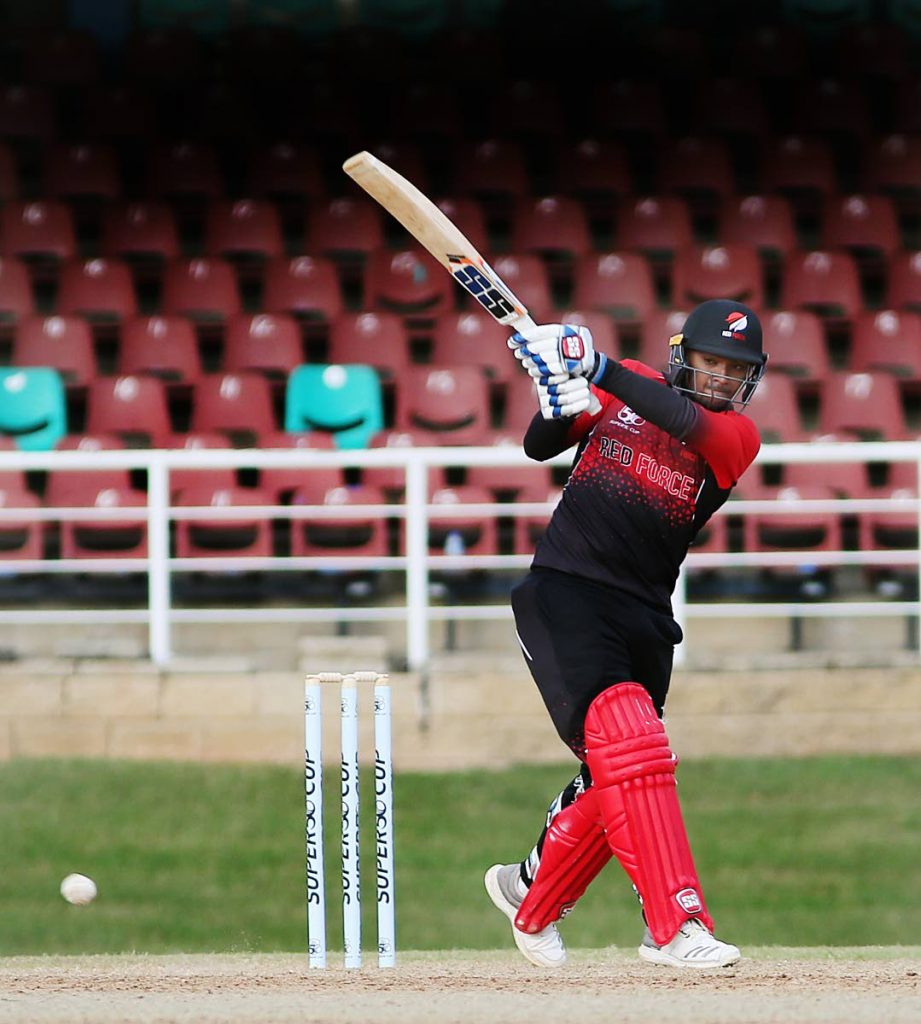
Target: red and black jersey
(652, 467)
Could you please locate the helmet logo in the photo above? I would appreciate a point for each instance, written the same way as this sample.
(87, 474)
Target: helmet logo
(738, 322)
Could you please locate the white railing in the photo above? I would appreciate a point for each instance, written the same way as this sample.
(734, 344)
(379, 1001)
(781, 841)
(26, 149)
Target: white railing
(417, 611)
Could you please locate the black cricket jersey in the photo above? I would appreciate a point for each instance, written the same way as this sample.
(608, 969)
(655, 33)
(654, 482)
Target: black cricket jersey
(639, 492)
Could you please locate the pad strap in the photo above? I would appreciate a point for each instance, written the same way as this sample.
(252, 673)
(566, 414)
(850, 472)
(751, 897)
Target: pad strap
(574, 850)
(634, 778)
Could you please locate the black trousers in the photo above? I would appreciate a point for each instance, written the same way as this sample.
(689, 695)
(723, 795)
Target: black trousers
(580, 637)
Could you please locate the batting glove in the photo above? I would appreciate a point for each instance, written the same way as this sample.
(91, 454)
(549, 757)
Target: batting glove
(557, 350)
(565, 399)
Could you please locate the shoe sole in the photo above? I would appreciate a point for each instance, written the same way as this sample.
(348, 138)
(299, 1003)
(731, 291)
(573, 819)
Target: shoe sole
(659, 958)
(491, 881)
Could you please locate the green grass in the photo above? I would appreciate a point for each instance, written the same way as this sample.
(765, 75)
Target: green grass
(192, 858)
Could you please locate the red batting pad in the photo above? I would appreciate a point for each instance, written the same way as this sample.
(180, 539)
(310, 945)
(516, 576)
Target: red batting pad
(574, 850)
(633, 773)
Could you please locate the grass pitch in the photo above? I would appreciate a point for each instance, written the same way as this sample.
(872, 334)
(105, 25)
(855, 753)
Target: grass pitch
(197, 858)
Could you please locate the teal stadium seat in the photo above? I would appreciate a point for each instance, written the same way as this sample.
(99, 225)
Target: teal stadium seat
(343, 400)
(33, 409)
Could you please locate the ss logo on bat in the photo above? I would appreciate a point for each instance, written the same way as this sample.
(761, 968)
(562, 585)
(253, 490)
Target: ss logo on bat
(484, 291)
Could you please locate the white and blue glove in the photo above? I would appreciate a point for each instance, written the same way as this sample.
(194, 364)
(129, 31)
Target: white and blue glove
(554, 352)
(565, 398)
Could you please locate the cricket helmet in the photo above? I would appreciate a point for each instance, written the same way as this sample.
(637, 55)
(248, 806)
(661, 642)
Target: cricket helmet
(724, 328)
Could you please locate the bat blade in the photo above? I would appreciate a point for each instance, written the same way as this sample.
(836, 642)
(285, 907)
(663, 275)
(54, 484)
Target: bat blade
(430, 227)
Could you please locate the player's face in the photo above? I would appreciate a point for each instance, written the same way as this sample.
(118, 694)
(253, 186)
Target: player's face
(716, 379)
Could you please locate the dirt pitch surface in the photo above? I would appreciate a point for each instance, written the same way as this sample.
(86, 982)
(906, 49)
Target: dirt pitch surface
(841, 986)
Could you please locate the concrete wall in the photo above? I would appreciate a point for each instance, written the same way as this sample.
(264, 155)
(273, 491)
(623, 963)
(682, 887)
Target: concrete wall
(471, 712)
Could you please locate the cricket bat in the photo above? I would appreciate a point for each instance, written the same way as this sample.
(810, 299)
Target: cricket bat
(453, 250)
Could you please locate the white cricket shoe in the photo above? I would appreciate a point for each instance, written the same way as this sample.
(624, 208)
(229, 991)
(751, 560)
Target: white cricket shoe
(543, 949)
(692, 946)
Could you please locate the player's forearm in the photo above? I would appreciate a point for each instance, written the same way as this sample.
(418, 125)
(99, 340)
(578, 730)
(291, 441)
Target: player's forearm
(663, 406)
(546, 438)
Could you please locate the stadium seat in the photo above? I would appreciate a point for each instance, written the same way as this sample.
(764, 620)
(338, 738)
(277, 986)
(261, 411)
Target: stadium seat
(269, 343)
(905, 108)
(775, 410)
(765, 221)
(344, 401)
(64, 343)
(791, 529)
(731, 271)
(60, 482)
(892, 167)
(699, 169)
(16, 297)
(204, 537)
(473, 339)
(888, 341)
(345, 229)
(884, 530)
(521, 403)
(133, 407)
(836, 108)
(845, 479)
(862, 406)
(239, 405)
(392, 479)
(11, 479)
(179, 479)
(624, 107)
(81, 171)
(140, 232)
(658, 327)
(656, 226)
(100, 290)
(797, 345)
(184, 170)
(462, 533)
(160, 346)
(305, 286)
(27, 113)
(408, 282)
(20, 539)
(243, 230)
(617, 283)
(33, 407)
(527, 108)
(105, 538)
(879, 52)
(285, 171)
(491, 170)
(38, 231)
(282, 483)
(528, 278)
(823, 281)
(116, 112)
(467, 215)
(554, 227)
(9, 174)
(375, 339)
(731, 108)
(597, 173)
(351, 536)
(904, 286)
(203, 289)
(802, 168)
(864, 225)
(453, 401)
(506, 483)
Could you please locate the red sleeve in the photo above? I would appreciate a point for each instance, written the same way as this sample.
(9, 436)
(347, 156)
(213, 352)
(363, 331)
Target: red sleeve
(728, 441)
